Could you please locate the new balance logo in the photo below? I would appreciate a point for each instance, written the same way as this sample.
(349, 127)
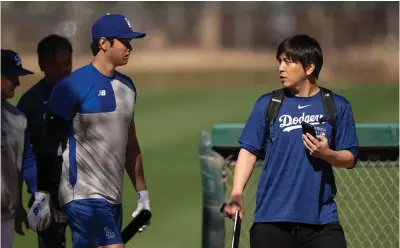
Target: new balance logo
(305, 106)
(109, 233)
(102, 93)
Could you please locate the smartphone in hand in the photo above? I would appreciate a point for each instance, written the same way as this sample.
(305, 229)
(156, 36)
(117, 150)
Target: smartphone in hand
(308, 128)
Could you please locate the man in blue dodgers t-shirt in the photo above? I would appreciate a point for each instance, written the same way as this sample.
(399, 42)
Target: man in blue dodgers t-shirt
(93, 108)
(295, 204)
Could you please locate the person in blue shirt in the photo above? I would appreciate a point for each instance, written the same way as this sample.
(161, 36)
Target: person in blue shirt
(93, 109)
(55, 60)
(295, 204)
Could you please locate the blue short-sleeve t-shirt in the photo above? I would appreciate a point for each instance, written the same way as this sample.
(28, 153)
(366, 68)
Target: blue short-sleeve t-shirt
(294, 186)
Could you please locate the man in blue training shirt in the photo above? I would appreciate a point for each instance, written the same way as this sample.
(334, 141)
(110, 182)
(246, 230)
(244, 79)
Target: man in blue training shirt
(93, 109)
(295, 204)
(55, 60)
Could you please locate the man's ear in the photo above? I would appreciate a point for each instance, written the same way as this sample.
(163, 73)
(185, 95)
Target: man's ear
(310, 69)
(103, 44)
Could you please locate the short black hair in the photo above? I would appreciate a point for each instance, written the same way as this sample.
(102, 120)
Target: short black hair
(95, 47)
(303, 49)
(50, 45)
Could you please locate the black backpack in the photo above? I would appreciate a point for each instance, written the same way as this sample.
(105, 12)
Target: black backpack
(276, 102)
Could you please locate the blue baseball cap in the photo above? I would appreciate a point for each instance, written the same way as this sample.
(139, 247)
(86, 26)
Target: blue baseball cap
(115, 26)
(11, 64)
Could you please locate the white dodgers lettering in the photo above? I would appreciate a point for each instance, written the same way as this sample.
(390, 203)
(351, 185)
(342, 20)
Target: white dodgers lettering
(289, 123)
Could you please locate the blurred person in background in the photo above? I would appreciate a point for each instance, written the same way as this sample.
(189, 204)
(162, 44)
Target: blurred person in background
(55, 60)
(295, 204)
(13, 147)
(94, 109)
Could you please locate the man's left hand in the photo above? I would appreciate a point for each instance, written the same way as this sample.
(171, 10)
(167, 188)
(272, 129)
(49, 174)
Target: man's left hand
(39, 215)
(318, 147)
(143, 203)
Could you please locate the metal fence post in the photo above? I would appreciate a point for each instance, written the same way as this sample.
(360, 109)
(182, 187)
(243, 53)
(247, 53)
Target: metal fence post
(213, 194)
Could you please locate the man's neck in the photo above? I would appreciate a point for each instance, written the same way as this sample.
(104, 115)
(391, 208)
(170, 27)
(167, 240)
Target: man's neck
(49, 82)
(103, 66)
(305, 89)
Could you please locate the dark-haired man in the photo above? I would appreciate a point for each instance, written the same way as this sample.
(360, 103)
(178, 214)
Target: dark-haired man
(93, 109)
(55, 60)
(295, 204)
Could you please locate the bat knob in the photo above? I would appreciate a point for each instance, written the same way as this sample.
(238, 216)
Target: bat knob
(222, 207)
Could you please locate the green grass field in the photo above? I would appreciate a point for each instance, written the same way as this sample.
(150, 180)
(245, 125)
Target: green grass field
(168, 126)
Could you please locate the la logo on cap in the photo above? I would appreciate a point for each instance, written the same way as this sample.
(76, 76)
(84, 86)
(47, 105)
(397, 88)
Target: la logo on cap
(17, 60)
(127, 21)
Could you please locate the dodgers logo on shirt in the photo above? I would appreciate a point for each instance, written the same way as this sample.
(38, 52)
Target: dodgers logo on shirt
(289, 123)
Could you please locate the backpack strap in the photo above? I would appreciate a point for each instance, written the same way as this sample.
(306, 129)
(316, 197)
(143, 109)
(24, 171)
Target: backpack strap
(329, 109)
(273, 109)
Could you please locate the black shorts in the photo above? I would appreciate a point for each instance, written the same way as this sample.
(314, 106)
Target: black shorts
(295, 235)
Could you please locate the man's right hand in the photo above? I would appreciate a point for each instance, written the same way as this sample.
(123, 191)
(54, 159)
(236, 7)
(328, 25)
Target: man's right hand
(39, 216)
(236, 203)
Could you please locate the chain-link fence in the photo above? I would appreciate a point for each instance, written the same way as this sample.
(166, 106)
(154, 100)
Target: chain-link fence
(368, 204)
(367, 196)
